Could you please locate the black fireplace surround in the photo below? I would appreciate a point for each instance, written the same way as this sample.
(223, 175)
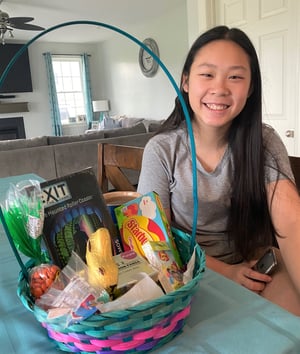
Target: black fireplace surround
(12, 128)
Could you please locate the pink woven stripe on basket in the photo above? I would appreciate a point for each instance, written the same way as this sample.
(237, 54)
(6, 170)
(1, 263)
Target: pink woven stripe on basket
(61, 337)
(161, 331)
(122, 346)
(138, 338)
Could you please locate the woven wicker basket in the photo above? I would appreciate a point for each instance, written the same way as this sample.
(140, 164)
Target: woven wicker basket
(138, 329)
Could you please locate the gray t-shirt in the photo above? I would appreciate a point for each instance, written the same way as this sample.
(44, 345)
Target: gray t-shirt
(167, 170)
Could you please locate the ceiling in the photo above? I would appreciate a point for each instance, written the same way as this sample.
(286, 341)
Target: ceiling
(123, 14)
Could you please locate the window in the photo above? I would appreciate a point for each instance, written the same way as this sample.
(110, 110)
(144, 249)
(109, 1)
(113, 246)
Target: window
(69, 87)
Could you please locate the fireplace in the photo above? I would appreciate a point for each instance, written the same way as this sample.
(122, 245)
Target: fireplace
(12, 128)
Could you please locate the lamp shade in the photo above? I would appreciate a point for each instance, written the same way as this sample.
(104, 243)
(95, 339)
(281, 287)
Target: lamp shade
(101, 106)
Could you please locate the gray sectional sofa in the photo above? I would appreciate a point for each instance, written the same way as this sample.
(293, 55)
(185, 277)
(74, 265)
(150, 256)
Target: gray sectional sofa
(51, 156)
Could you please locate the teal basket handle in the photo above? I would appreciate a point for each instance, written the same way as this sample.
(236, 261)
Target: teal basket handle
(166, 71)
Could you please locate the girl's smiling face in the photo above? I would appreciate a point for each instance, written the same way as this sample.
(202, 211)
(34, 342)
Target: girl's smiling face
(219, 83)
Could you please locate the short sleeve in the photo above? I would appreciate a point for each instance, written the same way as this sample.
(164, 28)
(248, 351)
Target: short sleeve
(277, 164)
(154, 174)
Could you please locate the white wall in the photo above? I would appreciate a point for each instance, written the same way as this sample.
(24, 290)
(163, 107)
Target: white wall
(129, 91)
(115, 73)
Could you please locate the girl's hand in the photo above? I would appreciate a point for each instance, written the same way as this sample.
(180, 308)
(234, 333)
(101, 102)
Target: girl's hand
(240, 273)
(247, 277)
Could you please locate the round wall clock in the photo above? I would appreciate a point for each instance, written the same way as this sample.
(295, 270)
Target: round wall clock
(147, 63)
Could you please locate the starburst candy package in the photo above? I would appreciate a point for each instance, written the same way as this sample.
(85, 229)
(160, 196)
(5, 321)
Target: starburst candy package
(143, 219)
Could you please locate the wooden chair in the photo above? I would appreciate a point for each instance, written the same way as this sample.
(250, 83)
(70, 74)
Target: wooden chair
(113, 161)
(295, 165)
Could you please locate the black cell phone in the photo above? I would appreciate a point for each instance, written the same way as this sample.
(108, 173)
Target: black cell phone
(267, 263)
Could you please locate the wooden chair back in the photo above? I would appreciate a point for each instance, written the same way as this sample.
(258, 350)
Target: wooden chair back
(112, 160)
(295, 165)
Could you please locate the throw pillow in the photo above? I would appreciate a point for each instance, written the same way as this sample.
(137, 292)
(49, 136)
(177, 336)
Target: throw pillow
(109, 123)
(136, 129)
(127, 122)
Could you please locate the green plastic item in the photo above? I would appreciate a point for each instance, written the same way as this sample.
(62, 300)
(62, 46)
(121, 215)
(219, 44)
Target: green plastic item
(23, 216)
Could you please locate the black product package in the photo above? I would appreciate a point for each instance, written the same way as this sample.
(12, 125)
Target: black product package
(74, 208)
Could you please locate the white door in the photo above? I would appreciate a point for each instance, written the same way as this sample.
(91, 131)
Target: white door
(272, 27)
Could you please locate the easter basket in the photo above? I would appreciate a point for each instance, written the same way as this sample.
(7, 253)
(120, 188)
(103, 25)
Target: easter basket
(141, 329)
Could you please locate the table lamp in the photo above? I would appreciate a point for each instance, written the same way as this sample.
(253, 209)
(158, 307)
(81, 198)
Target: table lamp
(101, 106)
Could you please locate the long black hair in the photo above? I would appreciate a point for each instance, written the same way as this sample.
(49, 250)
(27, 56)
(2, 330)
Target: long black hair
(249, 223)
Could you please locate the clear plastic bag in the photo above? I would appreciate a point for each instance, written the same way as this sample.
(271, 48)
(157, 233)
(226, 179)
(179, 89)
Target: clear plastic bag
(24, 215)
(71, 296)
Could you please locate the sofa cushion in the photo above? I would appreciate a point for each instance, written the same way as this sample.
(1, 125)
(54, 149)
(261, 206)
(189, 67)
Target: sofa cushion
(38, 160)
(99, 134)
(136, 129)
(127, 122)
(72, 157)
(131, 140)
(76, 156)
(23, 143)
(55, 140)
(152, 125)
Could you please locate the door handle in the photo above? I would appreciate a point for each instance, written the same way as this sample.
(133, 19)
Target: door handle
(289, 133)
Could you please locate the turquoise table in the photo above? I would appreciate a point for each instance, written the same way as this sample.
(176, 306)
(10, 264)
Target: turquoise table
(225, 317)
